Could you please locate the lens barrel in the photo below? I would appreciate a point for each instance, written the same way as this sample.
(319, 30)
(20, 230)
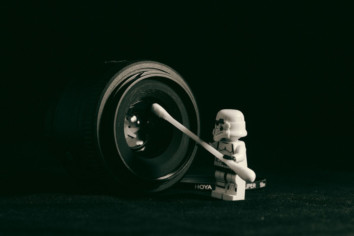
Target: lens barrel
(106, 135)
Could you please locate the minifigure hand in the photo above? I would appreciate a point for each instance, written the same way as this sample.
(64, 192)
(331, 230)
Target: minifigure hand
(227, 157)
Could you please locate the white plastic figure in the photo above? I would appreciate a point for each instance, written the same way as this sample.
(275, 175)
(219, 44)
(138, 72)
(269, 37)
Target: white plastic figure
(230, 126)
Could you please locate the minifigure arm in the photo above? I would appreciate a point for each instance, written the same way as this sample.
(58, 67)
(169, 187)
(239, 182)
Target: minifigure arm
(240, 152)
(213, 144)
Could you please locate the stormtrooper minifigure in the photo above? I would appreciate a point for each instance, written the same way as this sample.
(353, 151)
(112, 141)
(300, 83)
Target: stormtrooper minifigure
(230, 126)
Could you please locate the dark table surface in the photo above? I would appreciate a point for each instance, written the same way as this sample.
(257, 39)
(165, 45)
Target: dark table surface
(287, 66)
(296, 203)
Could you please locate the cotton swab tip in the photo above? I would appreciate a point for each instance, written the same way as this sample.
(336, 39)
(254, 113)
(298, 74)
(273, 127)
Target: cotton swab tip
(158, 110)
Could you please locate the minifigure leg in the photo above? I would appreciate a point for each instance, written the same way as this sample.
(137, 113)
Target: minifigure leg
(219, 185)
(239, 186)
(241, 189)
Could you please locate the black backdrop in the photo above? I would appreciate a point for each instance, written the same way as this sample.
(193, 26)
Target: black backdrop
(288, 67)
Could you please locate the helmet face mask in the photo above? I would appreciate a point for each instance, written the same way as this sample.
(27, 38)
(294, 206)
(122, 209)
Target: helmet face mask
(229, 126)
(221, 130)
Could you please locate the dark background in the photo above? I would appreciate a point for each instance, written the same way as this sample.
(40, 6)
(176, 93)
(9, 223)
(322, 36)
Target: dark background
(288, 67)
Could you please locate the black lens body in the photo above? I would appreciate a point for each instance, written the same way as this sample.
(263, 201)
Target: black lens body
(105, 133)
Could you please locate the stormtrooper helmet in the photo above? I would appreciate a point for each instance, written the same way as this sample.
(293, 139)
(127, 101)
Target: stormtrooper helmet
(229, 125)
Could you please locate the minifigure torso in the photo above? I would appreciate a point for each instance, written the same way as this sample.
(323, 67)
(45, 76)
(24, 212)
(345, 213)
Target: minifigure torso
(236, 149)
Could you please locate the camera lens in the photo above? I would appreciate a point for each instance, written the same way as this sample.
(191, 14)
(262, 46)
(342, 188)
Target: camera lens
(109, 136)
